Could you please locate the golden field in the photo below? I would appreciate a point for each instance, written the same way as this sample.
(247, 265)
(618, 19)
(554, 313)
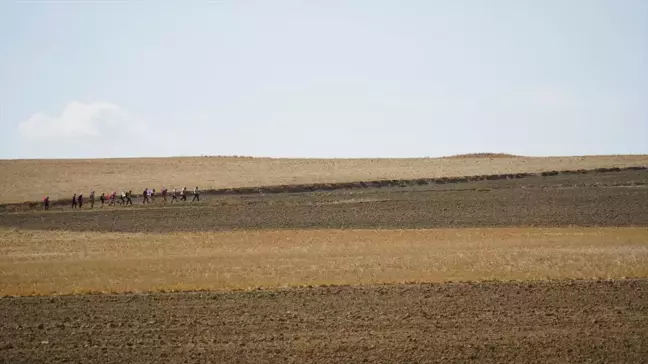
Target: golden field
(30, 180)
(60, 262)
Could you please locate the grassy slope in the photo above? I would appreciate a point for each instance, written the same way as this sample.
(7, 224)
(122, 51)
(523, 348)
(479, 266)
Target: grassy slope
(47, 262)
(29, 180)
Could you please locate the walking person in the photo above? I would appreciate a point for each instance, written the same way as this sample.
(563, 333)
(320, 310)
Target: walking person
(123, 198)
(102, 198)
(46, 203)
(128, 197)
(145, 194)
(113, 198)
(164, 194)
(183, 194)
(74, 201)
(152, 196)
(80, 198)
(92, 199)
(174, 196)
(196, 195)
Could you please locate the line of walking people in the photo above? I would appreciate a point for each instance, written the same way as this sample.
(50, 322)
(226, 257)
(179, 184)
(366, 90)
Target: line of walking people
(125, 198)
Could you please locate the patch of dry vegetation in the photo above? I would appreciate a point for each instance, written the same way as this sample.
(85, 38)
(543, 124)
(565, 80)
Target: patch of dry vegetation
(30, 180)
(42, 262)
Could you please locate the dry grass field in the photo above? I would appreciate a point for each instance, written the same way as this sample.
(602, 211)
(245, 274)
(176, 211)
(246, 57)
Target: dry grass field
(29, 180)
(496, 270)
(538, 241)
(61, 262)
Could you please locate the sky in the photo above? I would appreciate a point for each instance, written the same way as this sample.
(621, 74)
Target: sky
(279, 78)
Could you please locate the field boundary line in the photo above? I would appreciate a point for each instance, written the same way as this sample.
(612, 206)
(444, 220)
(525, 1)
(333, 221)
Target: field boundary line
(381, 183)
(333, 286)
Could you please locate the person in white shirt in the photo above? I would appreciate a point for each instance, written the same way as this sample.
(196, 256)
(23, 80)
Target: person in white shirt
(196, 195)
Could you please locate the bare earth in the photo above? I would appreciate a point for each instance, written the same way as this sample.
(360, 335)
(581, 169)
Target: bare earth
(542, 322)
(571, 226)
(597, 199)
(562, 227)
(30, 180)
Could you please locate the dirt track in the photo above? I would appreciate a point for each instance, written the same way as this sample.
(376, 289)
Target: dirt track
(580, 321)
(605, 199)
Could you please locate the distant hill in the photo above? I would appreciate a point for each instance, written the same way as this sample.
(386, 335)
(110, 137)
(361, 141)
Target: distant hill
(485, 155)
(30, 180)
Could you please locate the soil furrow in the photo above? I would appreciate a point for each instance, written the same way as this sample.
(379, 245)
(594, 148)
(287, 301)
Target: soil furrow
(544, 322)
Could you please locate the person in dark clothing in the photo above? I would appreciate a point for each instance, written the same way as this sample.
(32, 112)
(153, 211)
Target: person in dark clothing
(92, 199)
(46, 202)
(80, 198)
(145, 196)
(196, 195)
(164, 194)
(174, 195)
(74, 201)
(128, 197)
(183, 194)
(102, 198)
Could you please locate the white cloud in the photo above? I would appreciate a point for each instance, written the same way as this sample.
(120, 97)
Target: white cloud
(91, 130)
(82, 121)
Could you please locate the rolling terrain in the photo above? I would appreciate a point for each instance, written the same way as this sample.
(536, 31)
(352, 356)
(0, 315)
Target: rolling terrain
(539, 269)
(536, 322)
(30, 180)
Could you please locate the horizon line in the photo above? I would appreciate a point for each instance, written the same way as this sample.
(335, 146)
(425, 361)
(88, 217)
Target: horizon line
(233, 156)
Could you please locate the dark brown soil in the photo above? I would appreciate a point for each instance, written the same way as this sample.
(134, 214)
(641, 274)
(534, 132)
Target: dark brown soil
(543, 322)
(601, 199)
(591, 174)
(546, 322)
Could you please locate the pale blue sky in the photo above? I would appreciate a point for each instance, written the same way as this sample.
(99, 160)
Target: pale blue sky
(369, 78)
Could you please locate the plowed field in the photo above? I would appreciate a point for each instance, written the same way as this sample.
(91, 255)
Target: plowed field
(587, 226)
(30, 180)
(600, 199)
(575, 322)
